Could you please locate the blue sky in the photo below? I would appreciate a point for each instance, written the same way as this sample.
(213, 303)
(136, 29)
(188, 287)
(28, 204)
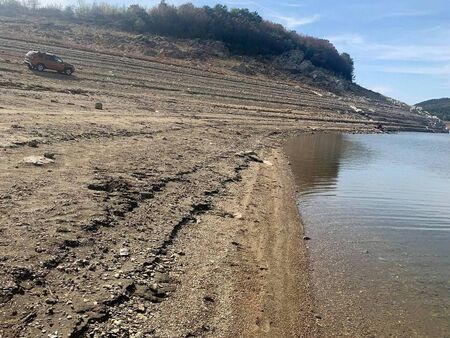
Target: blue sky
(401, 48)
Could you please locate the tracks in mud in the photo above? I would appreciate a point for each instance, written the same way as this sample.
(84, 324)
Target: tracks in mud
(149, 267)
(102, 74)
(136, 206)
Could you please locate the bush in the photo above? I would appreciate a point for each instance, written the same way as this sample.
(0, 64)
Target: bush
(244, 32)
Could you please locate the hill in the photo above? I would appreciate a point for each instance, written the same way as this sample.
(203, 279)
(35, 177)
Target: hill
(242, 31)
(437, 107)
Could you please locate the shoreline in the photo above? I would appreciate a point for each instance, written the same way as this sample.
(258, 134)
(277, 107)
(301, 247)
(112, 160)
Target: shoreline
(285, 301)
(254, 271)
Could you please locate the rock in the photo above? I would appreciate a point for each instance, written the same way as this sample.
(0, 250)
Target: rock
(124, 252)
(37, 160)
(306, 67)
(98, 105)
(290, 61)
(49, 155)
(149, 294)
(162, 277)
(237, 215)
(209, 299)
(141, 308)
(306, 238)
(33, 143)
(51, 301)
(250, 155)
(146, 195)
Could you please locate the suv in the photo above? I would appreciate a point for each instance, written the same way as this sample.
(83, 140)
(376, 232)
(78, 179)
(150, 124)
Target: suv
(41, 61)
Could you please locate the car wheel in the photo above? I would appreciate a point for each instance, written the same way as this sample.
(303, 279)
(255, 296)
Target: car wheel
(40, 67)
(68, 71)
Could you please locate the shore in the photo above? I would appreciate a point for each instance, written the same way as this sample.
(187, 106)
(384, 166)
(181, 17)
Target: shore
(245, 274)
(170, 212)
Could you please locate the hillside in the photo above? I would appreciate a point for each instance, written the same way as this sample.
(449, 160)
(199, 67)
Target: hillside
(169, 212)
(241, 31)
(437, 107)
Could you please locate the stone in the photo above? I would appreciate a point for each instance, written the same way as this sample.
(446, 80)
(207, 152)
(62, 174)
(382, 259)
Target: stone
(251, 155)
(33, 143)
(49, 155)
(98, 105)
(124, 252)
(141, 308)
(290, 61)
(162, 277)
(209, 299)
(146, 195)
(37, 160)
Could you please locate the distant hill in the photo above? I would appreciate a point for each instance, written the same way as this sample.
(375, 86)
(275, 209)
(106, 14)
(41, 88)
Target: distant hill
(438, 107)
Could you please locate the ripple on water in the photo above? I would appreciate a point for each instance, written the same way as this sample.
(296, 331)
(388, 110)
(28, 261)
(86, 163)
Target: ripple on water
(378, 210)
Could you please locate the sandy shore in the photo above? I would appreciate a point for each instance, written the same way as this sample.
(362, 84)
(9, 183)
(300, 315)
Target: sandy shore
(247, 274)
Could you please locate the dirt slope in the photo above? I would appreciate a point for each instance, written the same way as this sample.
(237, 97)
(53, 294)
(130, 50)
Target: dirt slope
(153, 216)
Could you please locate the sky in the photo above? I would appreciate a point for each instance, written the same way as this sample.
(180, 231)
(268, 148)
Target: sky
(401, 48)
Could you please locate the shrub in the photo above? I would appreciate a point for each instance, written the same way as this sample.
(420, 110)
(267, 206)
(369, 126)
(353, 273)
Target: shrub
(243, 31)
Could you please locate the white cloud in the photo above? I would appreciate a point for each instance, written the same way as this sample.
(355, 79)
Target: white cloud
(412, 52)
(427, 70)
(347, 39)
(289, 21)
(293, 5)
(292, 22)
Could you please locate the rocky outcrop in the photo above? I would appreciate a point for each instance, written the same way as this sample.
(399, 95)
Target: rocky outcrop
(290, 61)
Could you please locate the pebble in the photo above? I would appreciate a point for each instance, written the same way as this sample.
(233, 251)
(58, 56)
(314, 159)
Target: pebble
(124, 252)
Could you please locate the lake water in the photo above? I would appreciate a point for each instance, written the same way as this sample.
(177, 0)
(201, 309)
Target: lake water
(377, 209)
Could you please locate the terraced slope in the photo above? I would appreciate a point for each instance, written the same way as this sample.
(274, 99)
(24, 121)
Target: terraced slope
(136, 222)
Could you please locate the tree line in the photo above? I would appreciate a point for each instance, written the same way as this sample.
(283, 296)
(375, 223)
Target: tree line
(244, 32)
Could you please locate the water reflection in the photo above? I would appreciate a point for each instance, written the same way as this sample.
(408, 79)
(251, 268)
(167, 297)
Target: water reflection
(318, 158)
(378, 210)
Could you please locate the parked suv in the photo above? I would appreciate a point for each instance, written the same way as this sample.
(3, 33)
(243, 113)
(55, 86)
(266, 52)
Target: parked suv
(41, 61)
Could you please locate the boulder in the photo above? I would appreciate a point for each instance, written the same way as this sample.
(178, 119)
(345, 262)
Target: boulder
(38, 160)
(306, 67)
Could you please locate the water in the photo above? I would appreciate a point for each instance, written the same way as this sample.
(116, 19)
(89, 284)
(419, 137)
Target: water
(377, 208)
